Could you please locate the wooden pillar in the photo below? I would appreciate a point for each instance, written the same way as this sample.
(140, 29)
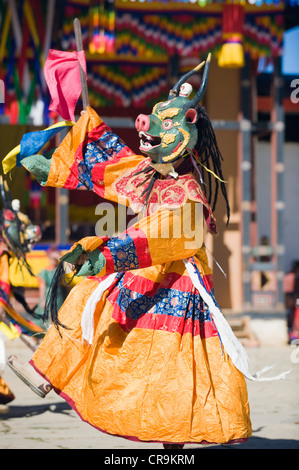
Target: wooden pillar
(222, 102)
(61, 216)
(245, 179)
(61, 206)
(277, 175)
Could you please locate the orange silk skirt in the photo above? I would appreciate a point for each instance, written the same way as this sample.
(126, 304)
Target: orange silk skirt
(156, 370)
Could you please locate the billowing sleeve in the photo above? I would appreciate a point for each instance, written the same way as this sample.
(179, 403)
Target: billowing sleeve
(163, 237)
(90, 157)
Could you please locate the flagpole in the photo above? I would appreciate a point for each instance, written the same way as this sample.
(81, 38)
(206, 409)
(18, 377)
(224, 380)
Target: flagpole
(79, 46)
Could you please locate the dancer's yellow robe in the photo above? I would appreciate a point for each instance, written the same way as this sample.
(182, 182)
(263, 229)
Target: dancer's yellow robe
(155, 369)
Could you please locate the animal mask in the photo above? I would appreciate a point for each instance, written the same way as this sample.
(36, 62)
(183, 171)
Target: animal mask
(15, 227)
(170, 132)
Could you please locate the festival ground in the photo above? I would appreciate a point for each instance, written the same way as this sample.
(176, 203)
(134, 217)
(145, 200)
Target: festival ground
(50, 423)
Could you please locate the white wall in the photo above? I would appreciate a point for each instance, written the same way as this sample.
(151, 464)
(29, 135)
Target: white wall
(291, 197)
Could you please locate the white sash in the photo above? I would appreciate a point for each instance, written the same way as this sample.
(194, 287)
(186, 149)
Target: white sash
(87, 320)
(232, 345)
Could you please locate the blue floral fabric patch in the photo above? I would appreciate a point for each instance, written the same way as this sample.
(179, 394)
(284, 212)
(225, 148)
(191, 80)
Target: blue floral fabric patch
(98, 151)
(171, 302)
(123, 252)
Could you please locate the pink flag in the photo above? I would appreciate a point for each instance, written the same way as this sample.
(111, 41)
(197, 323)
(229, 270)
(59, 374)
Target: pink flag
(62, 75)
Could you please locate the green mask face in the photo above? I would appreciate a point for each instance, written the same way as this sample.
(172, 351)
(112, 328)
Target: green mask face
(170, 132)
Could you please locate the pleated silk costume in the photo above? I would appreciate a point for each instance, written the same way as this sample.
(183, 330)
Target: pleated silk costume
(155, 368)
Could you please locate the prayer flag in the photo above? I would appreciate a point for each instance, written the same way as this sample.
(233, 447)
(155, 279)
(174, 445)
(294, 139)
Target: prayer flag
(32, 143)
(62, 74)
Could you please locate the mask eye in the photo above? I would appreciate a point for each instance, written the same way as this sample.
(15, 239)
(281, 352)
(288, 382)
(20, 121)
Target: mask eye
(167, 124)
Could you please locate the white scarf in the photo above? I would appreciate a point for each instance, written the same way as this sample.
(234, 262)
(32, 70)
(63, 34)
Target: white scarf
(87, 320)
(232, 345)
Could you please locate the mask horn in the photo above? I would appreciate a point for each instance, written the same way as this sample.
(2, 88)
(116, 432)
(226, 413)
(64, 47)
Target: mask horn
(200, 94)
(174, 92)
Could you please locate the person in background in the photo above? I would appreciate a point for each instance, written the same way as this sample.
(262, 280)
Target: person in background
(291, 291)
(17, 236)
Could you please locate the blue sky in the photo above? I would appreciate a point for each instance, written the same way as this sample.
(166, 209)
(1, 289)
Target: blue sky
(290, 59)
